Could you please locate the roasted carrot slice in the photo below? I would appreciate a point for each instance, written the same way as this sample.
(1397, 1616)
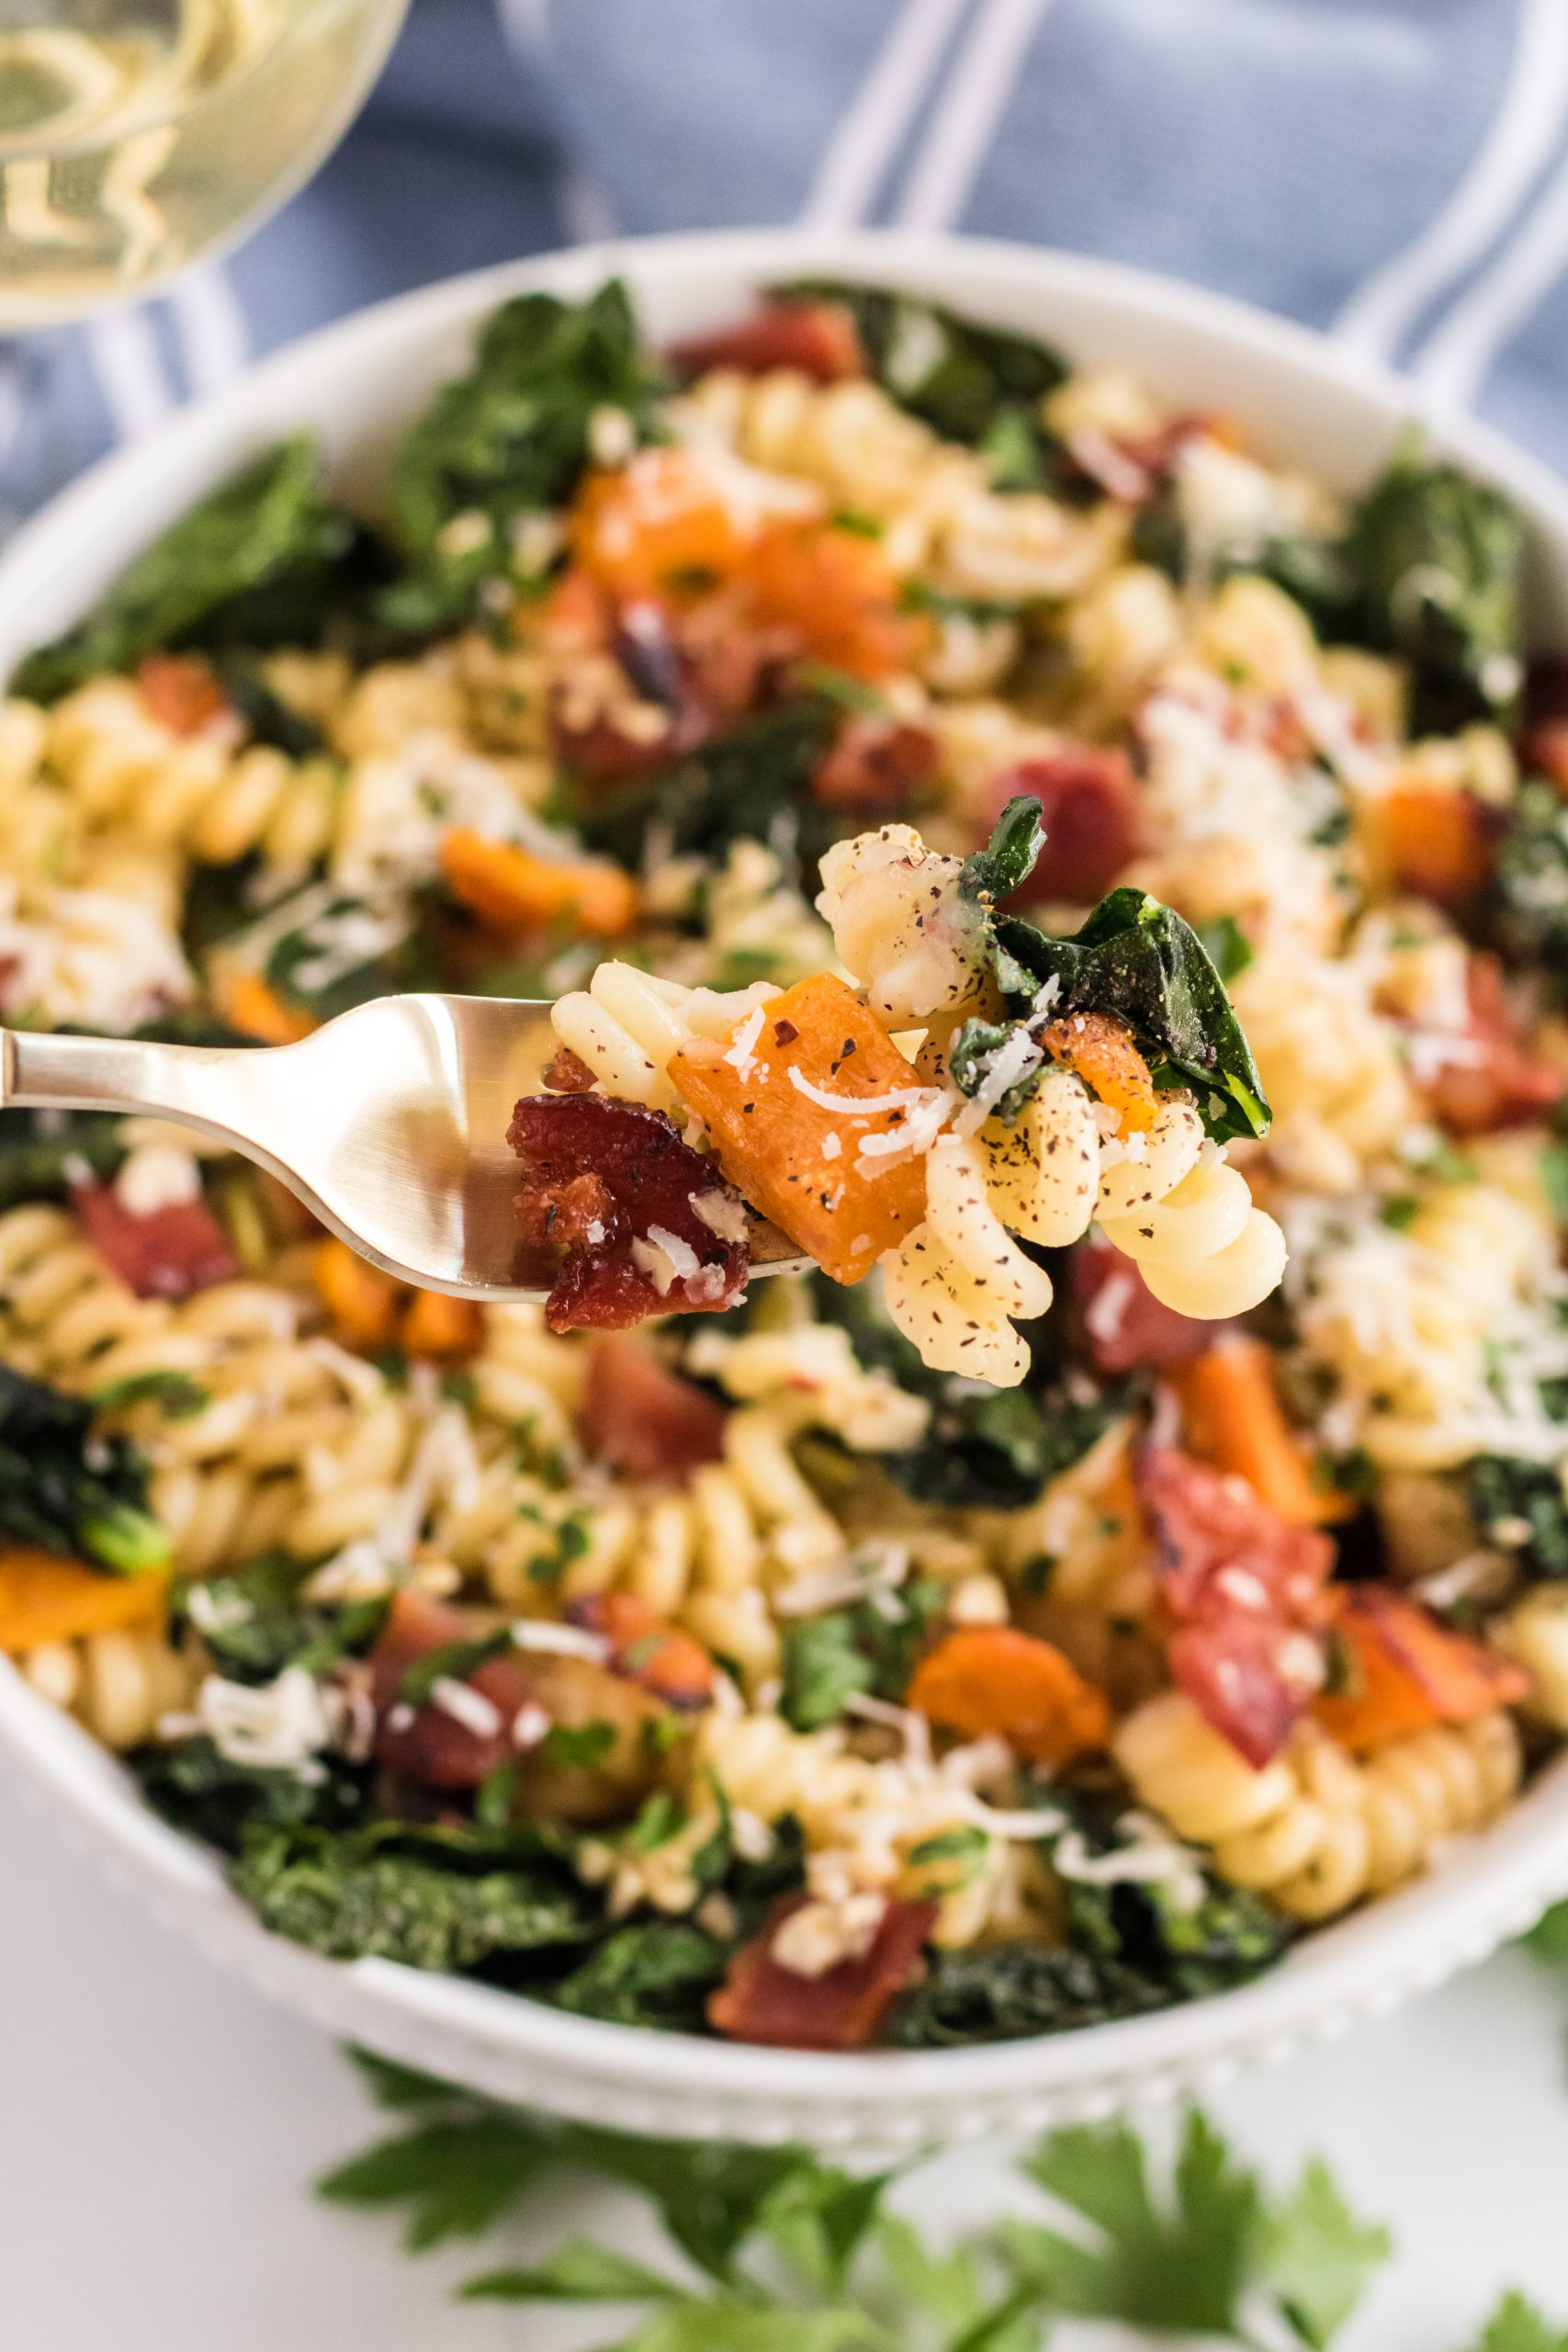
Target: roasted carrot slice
(46, 1599)
(1232, 1416)
(1439, 844)
(511, 888)
(647, 1649)
(249, 1006)
(835, 591)
(992, 1680)
(1101, 1050)
(780, 1100)
(362, 1301)
(434, 1325)
(181, 690)
(659, 524)
(1406, 1671)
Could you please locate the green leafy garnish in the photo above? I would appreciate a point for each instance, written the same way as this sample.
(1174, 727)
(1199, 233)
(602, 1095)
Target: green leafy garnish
(192, 1784)
(582, 1746)
(868, 1649)
(438, 1898)
(657, 1973)
(1009, 1992)
(1517, 2326)
(254, 1619)
(736, 788)
(976, 384)
(1437, 561)
(507, 439)
(177, 1397)
(1142, 962)
(1527, 1502)
(985, 1446)
(256, 562)
(773, 2250)
(66, 1487)
(451, 1662)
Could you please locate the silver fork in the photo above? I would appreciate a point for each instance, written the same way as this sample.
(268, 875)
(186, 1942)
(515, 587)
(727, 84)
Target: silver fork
(389, 1122)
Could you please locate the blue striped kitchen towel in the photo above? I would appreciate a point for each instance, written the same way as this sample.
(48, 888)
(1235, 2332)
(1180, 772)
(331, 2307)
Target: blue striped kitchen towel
(1395, 171)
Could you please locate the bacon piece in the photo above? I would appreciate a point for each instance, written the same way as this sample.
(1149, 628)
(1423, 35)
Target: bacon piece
(181, 690)
(1088, 805)
(647, 1649)
(1246, 1593)
(874, 765)
(569, 1074)
(599, 1176)
(643, 1420)
(165, 1253)
(815, 339)
(426, 1743)
(1503, 1086)
(840, 2009)
(1126, 1327)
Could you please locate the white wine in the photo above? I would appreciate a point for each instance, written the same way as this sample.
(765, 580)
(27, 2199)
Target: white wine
(135, 134)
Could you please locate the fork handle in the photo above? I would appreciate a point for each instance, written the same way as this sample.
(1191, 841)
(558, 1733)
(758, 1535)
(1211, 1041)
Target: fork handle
(190, 1084)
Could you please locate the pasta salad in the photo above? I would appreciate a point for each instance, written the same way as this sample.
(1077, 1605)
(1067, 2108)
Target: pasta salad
(1167, 1547)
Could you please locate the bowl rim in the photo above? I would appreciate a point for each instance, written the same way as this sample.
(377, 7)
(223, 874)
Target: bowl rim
(1400, 1944)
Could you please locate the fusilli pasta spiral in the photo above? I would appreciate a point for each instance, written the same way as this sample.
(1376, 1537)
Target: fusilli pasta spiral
(1316, 1829)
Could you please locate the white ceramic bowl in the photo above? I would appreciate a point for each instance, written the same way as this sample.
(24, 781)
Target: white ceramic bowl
(1304, 402)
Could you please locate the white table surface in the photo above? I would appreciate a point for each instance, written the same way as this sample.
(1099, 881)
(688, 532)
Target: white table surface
(159, 2126)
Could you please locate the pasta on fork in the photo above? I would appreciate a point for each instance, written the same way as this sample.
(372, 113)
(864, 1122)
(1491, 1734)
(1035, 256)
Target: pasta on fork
(973, 1088)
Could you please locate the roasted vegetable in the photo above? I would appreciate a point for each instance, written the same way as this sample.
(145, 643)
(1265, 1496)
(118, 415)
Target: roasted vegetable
(258, 561)
(69, 1489)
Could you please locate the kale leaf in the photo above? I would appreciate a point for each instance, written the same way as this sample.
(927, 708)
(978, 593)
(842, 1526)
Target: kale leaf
(194, 1785)
(1528, 917)
(1437, 561)
(1010, 1991)
(507, 439)
(980, 385)
(737, 788)
(653, 1972)
(254, 1619)
(438, 1898)
(1503, 1487)
(1183, 1948)
(258, 561)
(1142, 962)
(68, 1488)
(868, 1650)
(36, 1145)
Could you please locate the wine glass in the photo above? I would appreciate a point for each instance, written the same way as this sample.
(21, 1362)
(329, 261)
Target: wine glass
(137, 134)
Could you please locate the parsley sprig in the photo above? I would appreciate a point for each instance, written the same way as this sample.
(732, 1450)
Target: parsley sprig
(773, 2250)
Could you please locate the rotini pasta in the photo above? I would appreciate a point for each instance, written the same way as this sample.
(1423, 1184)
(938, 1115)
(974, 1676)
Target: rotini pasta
(1315, 1829)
